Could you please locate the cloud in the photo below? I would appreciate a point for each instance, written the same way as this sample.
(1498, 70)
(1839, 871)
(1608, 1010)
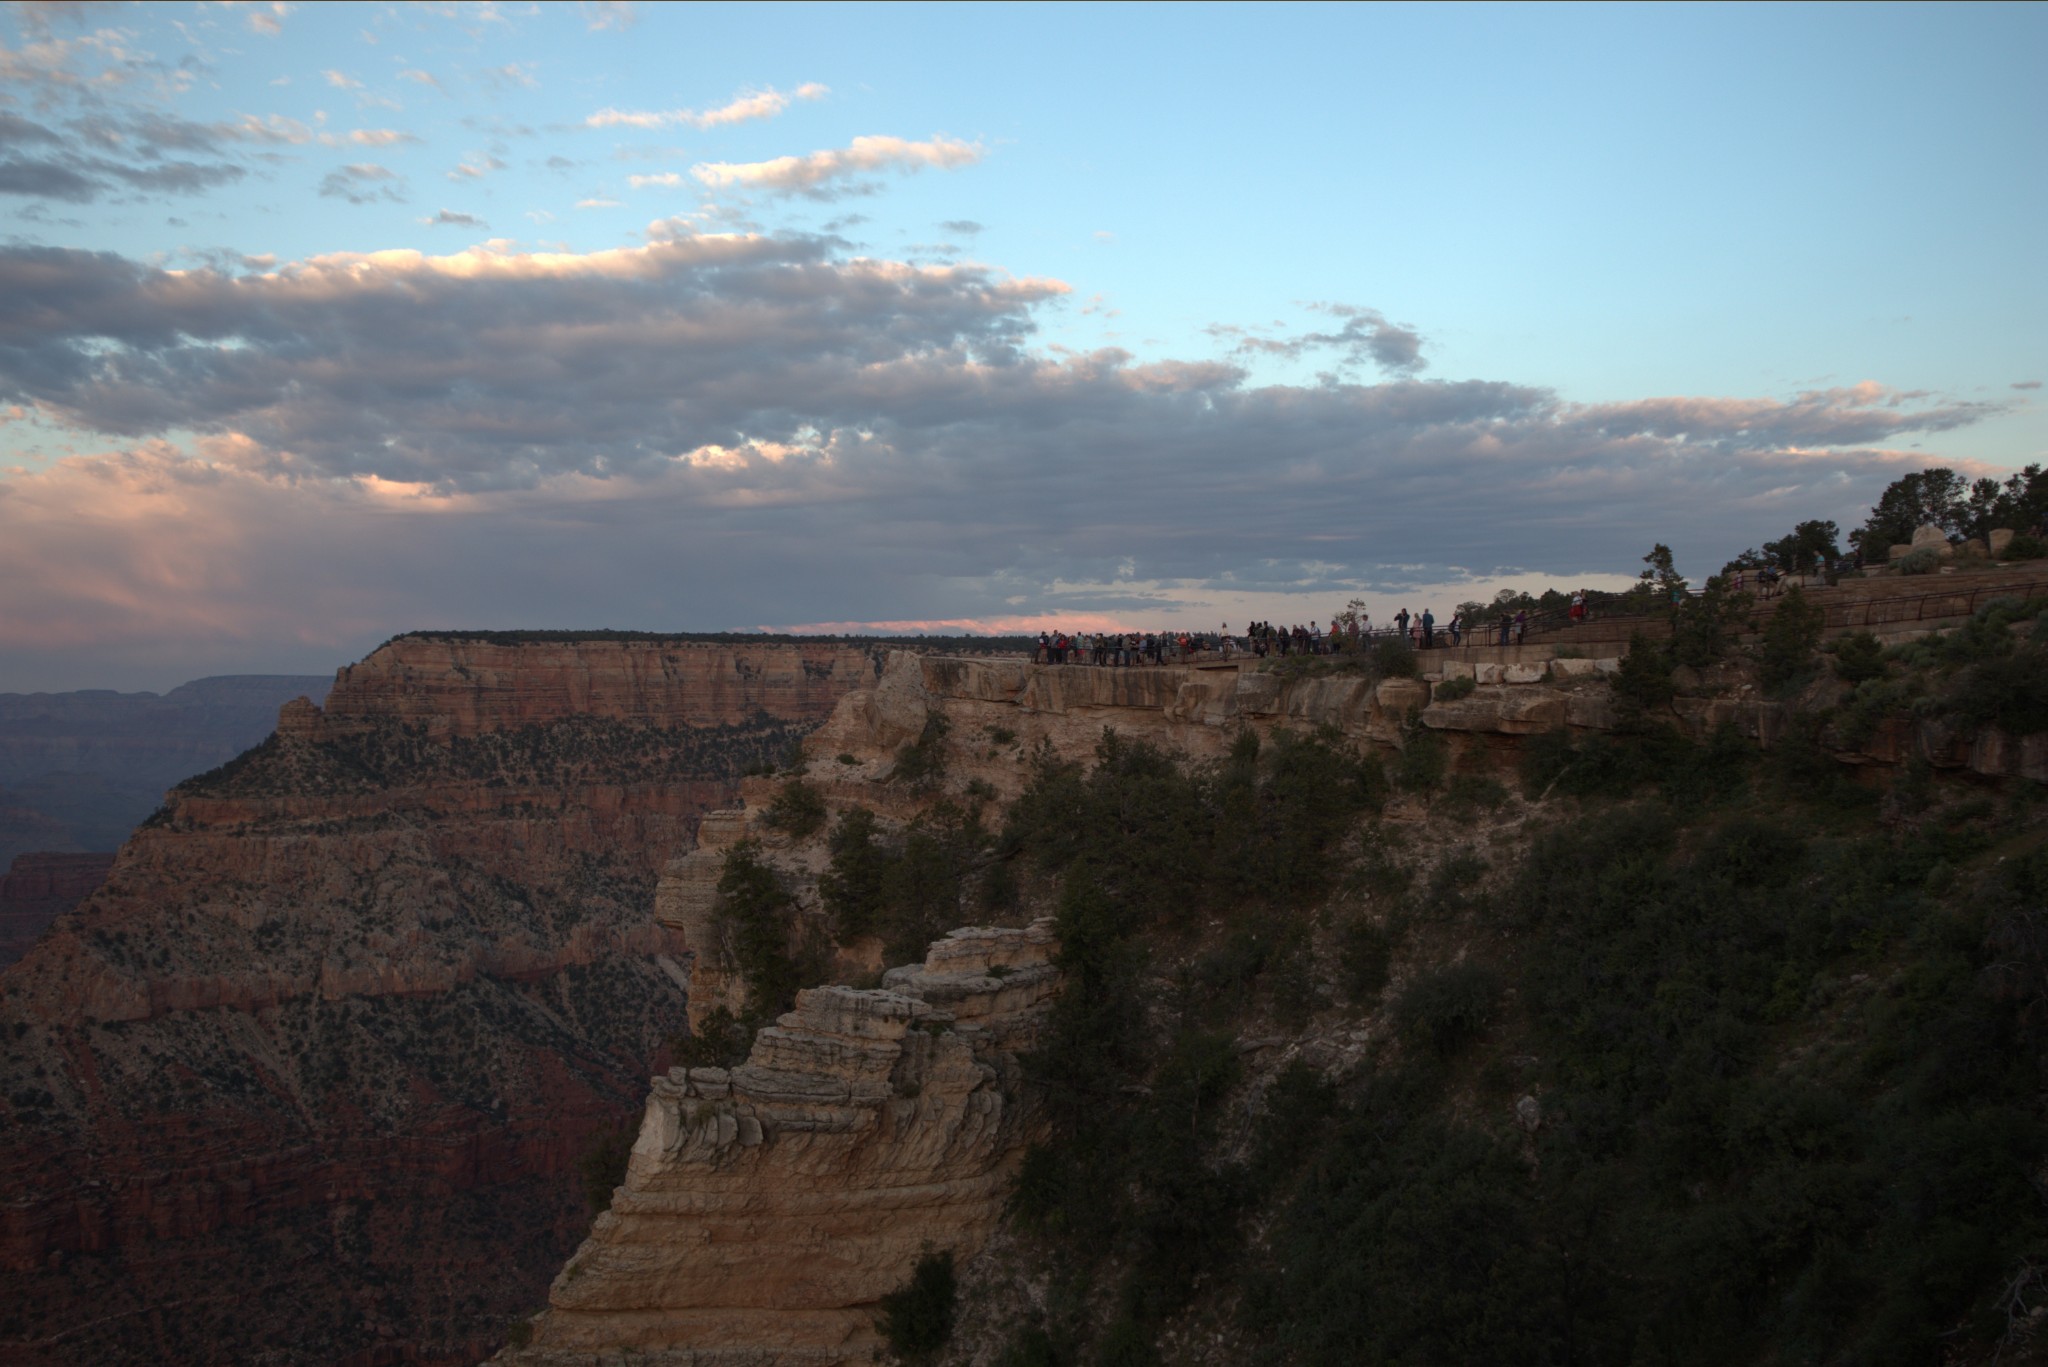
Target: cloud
(608, 14)
(332, 449)
(1366, 336)
(40, 17)
(420, 77)
(363, 183)
(817, 175)
(669, 179)
(756, 104)
(2028, 384)
(269, 21)
(511, 76)
(597, 203)
(449, 218)
(368, 137)
(962, 227)
(342, 82)
(476, 167)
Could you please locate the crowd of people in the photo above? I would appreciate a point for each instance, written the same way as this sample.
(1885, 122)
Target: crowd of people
(1346, 633)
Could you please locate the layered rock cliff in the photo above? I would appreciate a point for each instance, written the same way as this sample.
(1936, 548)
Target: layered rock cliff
(768, 1208)
(307, 1079)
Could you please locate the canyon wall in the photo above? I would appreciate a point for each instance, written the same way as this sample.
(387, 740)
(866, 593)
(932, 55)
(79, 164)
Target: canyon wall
(308, 1078)
(768, 1208)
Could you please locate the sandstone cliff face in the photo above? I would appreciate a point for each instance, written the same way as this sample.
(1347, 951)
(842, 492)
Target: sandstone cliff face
(306, 1080)
(40, 887)
(767, 1209)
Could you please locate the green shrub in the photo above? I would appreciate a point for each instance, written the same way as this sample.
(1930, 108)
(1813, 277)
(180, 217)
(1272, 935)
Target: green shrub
(1643, 683)
(851, 886)
(1394, 658)
(1790, 639)
(1423, 759)
(2009, 692)
(1002, 735)
(1450, 690)
(1470, 793)
(722, 1041)
(752, 919)
(1365, 951)
(1926, 560)
(917, 1318)
(1445, 1011)
(848, 759)
(798, 810)
(922, 762)
(2026, 547)
(1859, 656)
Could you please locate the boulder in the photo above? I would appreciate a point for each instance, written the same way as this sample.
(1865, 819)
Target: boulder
(1487, 673)
(1259, 694)
(1898, 553)
(1574, 669)
(1402, 695)
(1524, 674)
(1457, 669)
(1928, 537)
(1479, 712)
(1594, 711)
(1526, 711)
(1972, 546)
(2001, 538)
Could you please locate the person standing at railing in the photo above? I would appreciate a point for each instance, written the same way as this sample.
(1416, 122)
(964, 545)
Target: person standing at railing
(1428, 629)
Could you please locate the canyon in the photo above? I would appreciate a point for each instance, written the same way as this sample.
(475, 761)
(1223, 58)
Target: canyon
(307, 1079)
(80, 770)
(311, 1077)
(37, 889)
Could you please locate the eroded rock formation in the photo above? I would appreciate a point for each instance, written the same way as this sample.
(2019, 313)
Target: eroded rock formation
(307, 1079)
(767, 1209)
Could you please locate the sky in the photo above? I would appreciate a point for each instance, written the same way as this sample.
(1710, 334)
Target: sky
(323, 323)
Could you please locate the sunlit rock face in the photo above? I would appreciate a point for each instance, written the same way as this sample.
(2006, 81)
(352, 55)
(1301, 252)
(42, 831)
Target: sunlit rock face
(768, 1208)
(308, 1078)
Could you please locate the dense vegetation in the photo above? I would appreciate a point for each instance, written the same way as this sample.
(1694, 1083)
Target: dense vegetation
(1725, 1067)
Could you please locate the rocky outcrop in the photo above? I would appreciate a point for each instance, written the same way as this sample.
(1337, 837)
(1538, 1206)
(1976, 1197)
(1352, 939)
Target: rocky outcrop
(40, 887)
(463, 686)
(767, 1209)
(345, 1014)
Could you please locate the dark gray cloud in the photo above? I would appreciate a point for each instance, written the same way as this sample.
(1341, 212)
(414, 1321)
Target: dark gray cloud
(86, 158)
(449, 218)
(1365, 337)
(962, 227)
(756, 429)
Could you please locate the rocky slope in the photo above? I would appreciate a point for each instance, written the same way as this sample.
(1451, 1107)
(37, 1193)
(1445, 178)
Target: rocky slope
(307, 1079)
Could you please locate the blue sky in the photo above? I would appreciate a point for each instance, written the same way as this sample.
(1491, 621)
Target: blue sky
(776, 316)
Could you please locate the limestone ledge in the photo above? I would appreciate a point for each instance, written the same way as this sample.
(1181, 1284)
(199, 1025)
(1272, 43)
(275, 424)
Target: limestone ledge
(767, 1208)
(453, 687)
